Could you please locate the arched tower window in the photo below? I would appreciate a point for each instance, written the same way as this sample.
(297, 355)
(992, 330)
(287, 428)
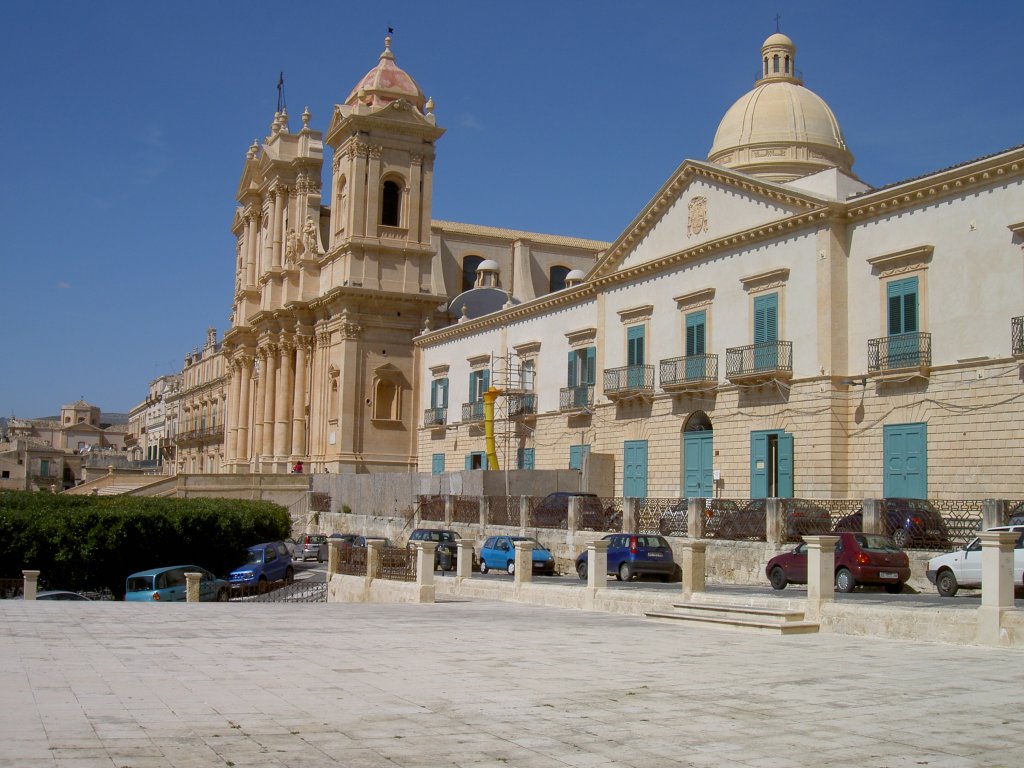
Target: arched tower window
(556, 278)
(775, 63)
(340, 200)
(469, 267)
(787, 65)
(766, 66)
(391, 204)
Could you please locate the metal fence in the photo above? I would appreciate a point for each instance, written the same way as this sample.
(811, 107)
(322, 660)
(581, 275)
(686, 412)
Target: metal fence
(352, 560)
(11, 588)
(503, 510)
(398, 564)
(962, 518)
(296, 592)
(664, 516)
(466, 510)
(431, 508)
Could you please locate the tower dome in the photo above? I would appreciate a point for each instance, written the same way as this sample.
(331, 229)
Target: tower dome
(385, 83)
(780, 130)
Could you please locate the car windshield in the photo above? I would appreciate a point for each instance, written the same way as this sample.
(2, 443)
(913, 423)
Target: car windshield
(254, 557)
(876, 543)
(139, 584)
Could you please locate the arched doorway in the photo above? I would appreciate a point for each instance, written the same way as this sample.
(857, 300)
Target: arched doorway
(697, 458)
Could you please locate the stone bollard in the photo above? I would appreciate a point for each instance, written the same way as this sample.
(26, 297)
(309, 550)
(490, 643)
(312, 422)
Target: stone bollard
(873, 517)
(775, 522)
(485, 511)
(694, 565)
(192, 580)
(463, 561)
(695, 518)
(630, 507)
(374, 554)
(31, 585)
(572, 514)
(425, 570)
(597, 564)
(996, 584)
(524, 514)
(334, 557)
(993, 513)
(449, 509)
(821, 573)
(524, 562)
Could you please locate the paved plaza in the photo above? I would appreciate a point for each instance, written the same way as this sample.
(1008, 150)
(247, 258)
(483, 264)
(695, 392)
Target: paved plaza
(123, 685)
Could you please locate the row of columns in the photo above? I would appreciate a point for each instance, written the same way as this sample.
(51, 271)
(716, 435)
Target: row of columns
(273, 242)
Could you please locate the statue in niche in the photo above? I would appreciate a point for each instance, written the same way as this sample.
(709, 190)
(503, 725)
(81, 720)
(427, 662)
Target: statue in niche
(309, 238)
(292, 245)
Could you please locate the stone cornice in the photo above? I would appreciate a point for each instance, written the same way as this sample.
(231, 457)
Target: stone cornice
(694, 299)
(527, 348)
(1017, 229)
(773, 278)
(634, 314)
(581, 336)
(515, 235)
(898, 262)
(476, 361)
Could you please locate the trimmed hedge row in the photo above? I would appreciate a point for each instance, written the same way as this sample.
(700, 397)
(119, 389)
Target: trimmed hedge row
(88, 542)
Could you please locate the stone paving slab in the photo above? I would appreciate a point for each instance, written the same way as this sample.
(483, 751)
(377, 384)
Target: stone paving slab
(123, 685)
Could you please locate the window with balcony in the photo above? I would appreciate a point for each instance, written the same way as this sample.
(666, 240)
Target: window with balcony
(582, 374)
(438, 410)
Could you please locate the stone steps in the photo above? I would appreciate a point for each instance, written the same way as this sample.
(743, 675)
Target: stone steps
(780, 621)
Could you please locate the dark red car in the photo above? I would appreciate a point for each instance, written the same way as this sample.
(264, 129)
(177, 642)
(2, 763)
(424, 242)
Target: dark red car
(861, 558)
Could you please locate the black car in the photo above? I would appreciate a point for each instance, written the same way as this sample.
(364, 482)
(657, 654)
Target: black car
(553, 512)
(802, 517)
(345, 538)
(910, 523)
(447, 545)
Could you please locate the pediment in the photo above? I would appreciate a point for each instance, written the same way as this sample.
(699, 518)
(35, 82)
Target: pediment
(251, 179)
(699, 205)
(400, 114)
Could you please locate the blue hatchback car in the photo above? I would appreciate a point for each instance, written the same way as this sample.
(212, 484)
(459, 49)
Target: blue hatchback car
(163, 585)
(499, 554)
(264, 564)
(636, 554)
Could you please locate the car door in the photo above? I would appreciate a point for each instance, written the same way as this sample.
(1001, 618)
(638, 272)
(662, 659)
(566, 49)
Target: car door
(176, 590)
(1018, 559)
(967, 567)
(796, 571)
(616, 553)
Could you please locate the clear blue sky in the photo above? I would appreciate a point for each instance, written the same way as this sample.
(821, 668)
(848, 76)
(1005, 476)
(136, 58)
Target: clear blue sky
(127, 123)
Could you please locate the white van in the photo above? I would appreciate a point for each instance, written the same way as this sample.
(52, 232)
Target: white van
(962, 568)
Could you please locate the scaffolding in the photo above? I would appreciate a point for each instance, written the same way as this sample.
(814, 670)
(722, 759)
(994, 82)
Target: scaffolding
(508, 400)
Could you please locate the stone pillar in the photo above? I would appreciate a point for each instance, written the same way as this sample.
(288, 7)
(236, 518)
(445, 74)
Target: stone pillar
(258, 406)
(775, 522)
(463, 561)
(821, 573)
(996, 584)
(277, 222)
(524, 562)
(630, 507)
(694, 565)
(374, 553)
(485, 511)
(597, 564)
(373, 189)
(252, 230)
(231, 412)
(414, 216)
(572, 514)
(524, 514)
(299, 400)
(334, 557)
(192, 580)
(993, 513)
(425, 570)
(873, 517)
(31, 586)
(695, 518)
(244, 385)
(283, 403)
(449, 506)
(269, 401)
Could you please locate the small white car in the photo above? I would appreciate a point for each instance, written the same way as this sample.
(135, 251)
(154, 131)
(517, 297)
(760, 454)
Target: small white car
(962, 568)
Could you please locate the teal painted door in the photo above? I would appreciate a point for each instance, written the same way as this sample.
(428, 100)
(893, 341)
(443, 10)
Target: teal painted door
(766, 332)
(698, 450)
(905, 448)
(635, 356)
(904, 341)
(437, 464)
(524, 458)
(634, 475)
(695, 363)
(771, 464)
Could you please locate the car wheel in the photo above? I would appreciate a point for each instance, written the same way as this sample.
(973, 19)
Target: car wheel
(778, 578)
(483, 567)
(511, 568)
(581, 570)
(677, 574)
(223, 596)
(261, 586)
(893, 589)
(319, 557)
(900, 537)
(625, 573)
(946, 584)
(845, 581)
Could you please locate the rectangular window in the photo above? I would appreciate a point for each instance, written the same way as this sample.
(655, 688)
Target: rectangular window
(902, 296)
(528, 375)
(695, 363)
(437, 464)
(524, 458)
(582, 367)
(476, 460)
(577, 455)
(439, 393)
(635, 345)
(479, 381)
(766, 331)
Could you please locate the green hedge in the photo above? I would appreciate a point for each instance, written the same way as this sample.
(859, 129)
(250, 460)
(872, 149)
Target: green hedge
(88, 542)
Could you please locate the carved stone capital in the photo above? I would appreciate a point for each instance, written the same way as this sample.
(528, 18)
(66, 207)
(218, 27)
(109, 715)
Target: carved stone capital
(350, 331)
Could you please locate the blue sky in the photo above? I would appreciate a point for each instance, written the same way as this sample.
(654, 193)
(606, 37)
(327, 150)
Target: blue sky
(127, 124)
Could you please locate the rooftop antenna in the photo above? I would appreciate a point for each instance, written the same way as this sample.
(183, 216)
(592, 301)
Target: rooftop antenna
(280, 93)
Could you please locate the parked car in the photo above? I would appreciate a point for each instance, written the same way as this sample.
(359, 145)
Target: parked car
(321, 552)
(635, 554)
(962, 568)
(499, 553)
(861, 558)
(553, 512)
(169, 585)
(308, 546)
(910, 523)
(264, 564)
(59, 594)
(674, 522)
(802, 517)
(360, 541)
(447, 545)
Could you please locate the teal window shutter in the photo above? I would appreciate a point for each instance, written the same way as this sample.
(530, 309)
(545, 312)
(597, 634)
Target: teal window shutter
(437, 464)
(635, 345)
(472, 387)
(695, 323)
(766, 318)
(469, 461)
(571, 377)
(444, 393)
(433, 394)
(902, 295)
(591, 366)
(485, 383)
(524, 458)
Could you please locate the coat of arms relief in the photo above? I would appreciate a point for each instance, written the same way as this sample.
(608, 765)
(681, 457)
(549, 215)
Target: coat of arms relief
(697, 221)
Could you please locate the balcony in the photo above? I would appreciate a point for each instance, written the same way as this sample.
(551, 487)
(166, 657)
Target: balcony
(522, 406)
(693, 373)
(202, 435)
(1017, 337)
(576, 398)
(761, 362)
(628, 382)
(900, 355)
(434, 417)
(472, 412)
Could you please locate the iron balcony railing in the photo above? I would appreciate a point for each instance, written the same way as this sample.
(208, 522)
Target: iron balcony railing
(692, 369)
(629, 378)
(434, 417)
(902, 350)
(575, 398)
(1017, 336)
(200, 434)
(761, 358)
(522, 405)
(473, 411)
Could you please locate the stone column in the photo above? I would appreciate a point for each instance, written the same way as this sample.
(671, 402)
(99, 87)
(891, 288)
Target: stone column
(449, 505)
(231, 413)
(524, 562)
(31, 586)
(821, 573)
(873, 518)
(245, 382)
(252, 236)
(630, 507)
(358, 202)
(283, 403)
(775, 522)
(464, 561)
(269, 400)
(299, 400)
(597, 564)
(373, 188)
(415, 182)
(374, 554)
(485, 511)
(572, 514)
(996, 585)
(258, 406)
(333, 557)
(694, 566)
(524, 514)
(277, 222)
(993, 513)
(192, 580)
(695, 518)
(425, 570)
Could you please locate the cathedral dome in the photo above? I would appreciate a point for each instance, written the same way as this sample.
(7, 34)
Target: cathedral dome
(385, 83)
(780, 130)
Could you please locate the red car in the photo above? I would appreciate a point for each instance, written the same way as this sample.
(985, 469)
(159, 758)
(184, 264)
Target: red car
(861, 558)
